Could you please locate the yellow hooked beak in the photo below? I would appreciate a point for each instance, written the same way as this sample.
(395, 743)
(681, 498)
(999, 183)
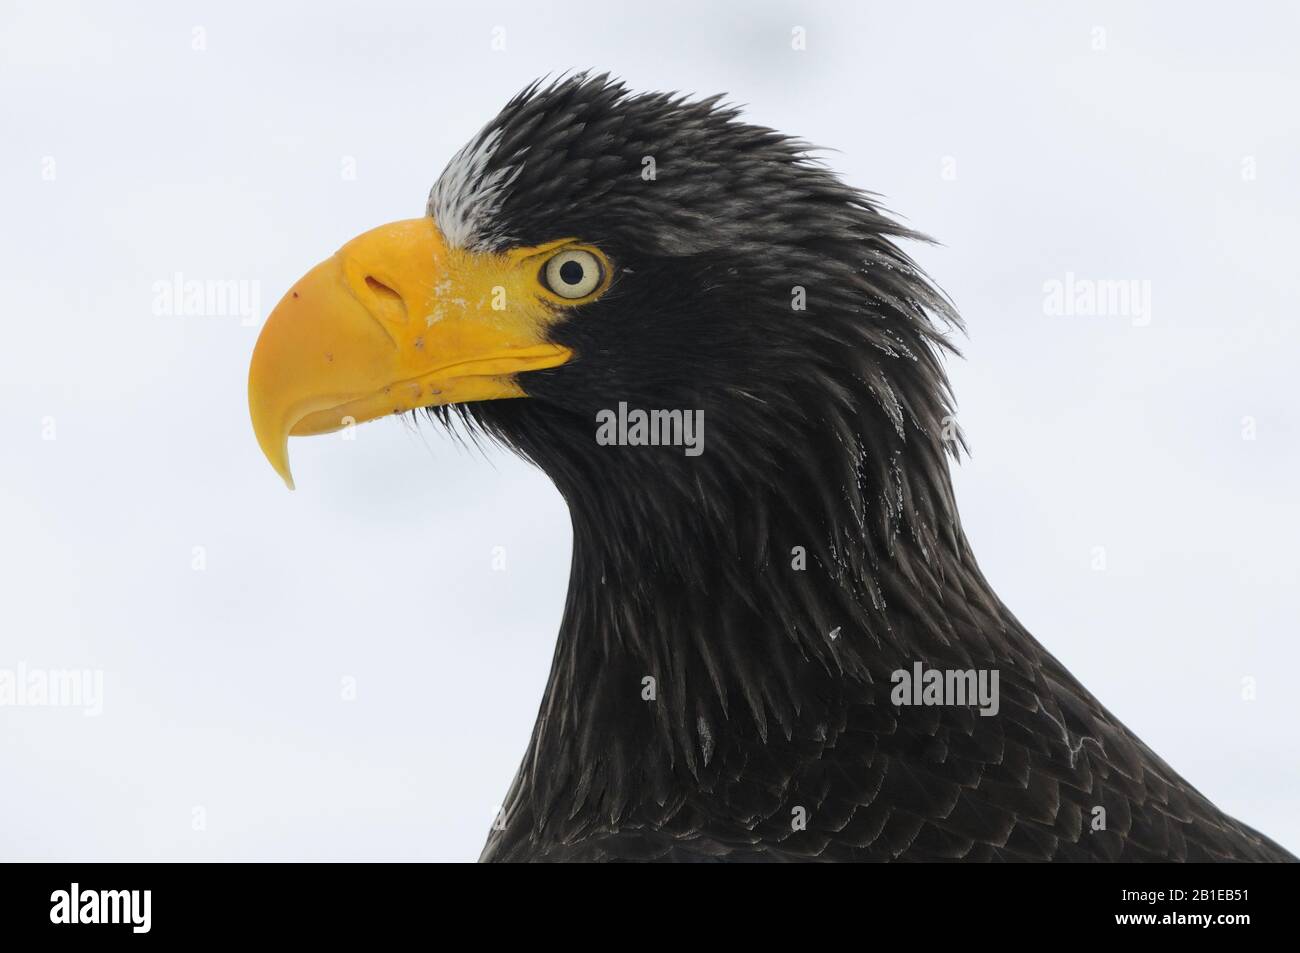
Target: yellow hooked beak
(394, 321)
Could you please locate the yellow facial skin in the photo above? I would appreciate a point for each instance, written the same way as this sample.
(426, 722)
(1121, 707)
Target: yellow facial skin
(397, 320)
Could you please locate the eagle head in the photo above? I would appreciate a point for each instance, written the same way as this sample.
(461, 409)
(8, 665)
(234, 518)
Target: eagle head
(598, 255)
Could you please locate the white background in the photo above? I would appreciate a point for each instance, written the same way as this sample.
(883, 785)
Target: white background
(222, 687)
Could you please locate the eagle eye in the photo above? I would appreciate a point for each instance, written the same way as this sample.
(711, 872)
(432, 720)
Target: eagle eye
(573, 273)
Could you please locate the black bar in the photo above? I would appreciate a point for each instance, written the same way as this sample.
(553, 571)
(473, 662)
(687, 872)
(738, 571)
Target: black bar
(370, 901)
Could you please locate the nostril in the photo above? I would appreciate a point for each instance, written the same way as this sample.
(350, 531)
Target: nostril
(381, 289)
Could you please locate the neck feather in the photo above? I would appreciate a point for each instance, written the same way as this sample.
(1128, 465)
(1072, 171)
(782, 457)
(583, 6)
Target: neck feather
(707, 616)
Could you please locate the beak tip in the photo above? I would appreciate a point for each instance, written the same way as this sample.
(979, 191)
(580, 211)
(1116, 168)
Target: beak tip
(275, 449)
(281, 467)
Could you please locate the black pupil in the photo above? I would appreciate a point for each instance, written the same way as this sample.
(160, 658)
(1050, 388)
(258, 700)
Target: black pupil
(571, 273)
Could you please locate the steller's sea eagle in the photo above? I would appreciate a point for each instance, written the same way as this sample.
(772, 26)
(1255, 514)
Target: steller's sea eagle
(777, 644)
